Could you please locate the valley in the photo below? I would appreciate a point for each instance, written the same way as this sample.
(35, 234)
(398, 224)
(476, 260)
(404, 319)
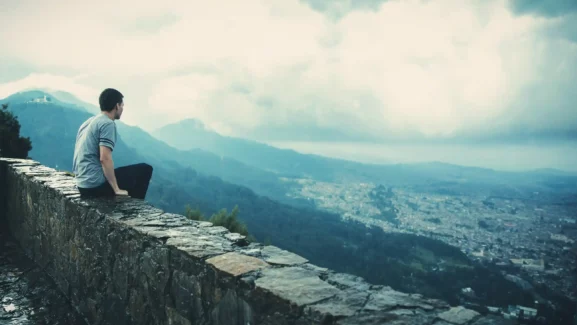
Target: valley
(534, 243)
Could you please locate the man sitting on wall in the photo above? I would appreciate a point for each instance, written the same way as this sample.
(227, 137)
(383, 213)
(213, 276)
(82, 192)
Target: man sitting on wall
(93, 164)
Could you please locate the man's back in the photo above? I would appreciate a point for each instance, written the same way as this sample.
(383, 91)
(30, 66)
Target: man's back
(94, 132)
(93, 163)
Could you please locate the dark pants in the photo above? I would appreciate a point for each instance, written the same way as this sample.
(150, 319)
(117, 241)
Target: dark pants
(132, 178)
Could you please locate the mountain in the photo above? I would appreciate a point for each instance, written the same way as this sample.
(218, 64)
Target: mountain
(39, 96)
(33, 105)
(425, 177)
(229, 169)
(191, 133)
(73, 100)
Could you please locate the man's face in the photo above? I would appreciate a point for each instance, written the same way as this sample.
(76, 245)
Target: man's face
(119, 110)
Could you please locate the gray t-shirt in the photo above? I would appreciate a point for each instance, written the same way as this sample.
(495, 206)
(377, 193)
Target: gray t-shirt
(97, 131)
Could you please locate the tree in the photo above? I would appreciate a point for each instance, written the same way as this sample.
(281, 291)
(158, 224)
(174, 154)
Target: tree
(193, 214)
(222, 218)
(12, 145)
(229, 221)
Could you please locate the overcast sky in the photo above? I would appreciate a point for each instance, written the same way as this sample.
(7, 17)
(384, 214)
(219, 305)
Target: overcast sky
(307, 70)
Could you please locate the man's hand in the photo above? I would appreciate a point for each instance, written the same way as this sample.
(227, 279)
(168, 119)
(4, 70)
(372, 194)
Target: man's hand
(120, 192)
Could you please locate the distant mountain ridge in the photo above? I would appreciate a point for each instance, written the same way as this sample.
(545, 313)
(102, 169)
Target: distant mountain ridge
(188, 134)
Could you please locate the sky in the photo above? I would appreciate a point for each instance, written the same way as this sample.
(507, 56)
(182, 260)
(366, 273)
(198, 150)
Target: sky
(312, 70)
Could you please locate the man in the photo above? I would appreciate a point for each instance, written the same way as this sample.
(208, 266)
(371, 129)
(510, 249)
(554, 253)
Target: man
(93, 164)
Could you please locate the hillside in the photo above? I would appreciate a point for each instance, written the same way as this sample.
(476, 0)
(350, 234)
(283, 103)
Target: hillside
(404, 262)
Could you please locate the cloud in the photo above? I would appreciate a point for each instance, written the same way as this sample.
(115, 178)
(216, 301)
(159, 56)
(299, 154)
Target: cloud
(99, 37)
(544, 7)
(151, 24)
(282, 70)
(51, 82)
(337, 9)
(561, 14)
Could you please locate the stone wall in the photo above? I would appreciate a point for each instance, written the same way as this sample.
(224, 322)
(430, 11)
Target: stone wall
(122, 261)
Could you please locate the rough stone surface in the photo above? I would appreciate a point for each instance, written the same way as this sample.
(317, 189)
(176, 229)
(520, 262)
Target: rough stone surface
(344, 303)
(388, 318)
(122, 261)
(296, 285)
(493, 320)
(346, 281)
(27, 295)
(458, 315)
(236, 264)
(275, 255)
(387, 298)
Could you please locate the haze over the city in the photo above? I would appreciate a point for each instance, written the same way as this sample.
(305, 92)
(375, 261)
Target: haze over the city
(479, 83)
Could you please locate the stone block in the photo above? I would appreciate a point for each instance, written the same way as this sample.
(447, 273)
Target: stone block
(294, 284)
(275, 255)
(236, 264)
(458, 315)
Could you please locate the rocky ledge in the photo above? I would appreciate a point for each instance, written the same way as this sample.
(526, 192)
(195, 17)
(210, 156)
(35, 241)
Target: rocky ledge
(122, 261)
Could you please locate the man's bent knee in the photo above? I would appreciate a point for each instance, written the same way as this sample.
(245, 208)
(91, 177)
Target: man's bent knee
(147, 168)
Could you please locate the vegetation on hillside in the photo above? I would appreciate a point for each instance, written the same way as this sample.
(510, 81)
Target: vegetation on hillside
(12, 145)
(222, 218)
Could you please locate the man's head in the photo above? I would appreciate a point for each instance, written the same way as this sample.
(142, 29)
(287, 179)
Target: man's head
(111, 101)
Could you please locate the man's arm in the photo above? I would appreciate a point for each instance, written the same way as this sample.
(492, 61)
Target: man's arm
(108, 168)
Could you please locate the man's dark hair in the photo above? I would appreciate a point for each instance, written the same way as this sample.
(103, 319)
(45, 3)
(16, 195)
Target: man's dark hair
(109, 98)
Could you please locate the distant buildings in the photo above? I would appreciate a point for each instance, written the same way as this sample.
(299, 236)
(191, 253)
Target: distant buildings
(539, 240)
(468, 292)
(515, 312)
(562, 238)
(44, 99)
(527, 263)
(520, 312)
